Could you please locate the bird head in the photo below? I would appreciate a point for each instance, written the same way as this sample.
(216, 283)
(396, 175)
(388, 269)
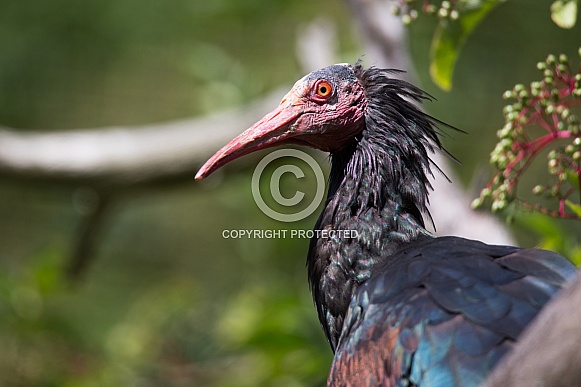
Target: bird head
(324, 110)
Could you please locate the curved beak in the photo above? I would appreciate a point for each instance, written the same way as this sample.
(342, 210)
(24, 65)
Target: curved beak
(271, 130)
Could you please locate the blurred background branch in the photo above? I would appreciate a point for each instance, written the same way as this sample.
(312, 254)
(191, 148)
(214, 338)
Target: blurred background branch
(124, 156)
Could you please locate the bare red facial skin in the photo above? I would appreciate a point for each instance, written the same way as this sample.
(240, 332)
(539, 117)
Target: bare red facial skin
(319, 113)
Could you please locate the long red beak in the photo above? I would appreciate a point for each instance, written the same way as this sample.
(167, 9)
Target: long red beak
(271, 130)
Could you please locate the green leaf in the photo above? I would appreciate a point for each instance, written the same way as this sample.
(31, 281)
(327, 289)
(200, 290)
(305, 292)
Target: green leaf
(576, 208)
(449, 38)
(564, 13)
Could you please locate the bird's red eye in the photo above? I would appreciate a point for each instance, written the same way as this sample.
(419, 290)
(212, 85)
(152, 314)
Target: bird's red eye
(323, 89)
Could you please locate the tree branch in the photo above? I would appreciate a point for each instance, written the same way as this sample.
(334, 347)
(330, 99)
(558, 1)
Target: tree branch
(124, 156)
(383, 34)
(90, 230)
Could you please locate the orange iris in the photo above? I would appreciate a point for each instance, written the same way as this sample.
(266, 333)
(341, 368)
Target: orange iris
(323, 89)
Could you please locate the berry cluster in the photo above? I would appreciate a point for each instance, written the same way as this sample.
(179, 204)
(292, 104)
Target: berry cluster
(551, 105)
(410, 9)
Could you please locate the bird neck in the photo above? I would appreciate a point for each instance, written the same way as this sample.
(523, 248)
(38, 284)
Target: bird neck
(374, 197)
(375, 194)
(365, 178)
(378, 190)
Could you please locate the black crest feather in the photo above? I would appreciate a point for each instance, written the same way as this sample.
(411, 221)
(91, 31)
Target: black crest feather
(397, 140)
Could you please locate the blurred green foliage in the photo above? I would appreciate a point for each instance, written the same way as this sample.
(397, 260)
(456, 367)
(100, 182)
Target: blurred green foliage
(71, 63)
(168, 301)
(451, 35)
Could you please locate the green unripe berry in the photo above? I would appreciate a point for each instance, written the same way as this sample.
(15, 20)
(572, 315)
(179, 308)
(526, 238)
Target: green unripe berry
(538, 189)
(498, 205)
(508, 94)
(476, 203)
(563, 59)
(442, 13)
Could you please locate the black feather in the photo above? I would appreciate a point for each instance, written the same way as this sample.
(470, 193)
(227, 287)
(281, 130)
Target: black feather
(398, 306)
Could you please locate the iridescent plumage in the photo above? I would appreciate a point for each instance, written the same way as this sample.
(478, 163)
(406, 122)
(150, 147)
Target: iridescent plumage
(399, 306)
